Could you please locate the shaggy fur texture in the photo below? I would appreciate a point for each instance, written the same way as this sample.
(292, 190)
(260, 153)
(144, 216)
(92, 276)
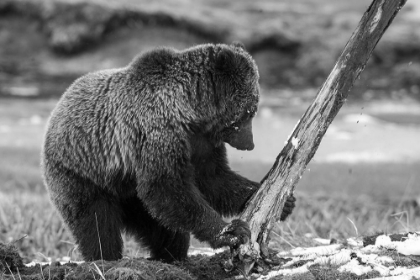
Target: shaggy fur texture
(141, 149)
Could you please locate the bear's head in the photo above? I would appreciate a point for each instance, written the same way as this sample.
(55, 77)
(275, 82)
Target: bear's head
(237, 85)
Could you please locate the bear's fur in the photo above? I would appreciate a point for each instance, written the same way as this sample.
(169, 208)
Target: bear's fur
(141, 149)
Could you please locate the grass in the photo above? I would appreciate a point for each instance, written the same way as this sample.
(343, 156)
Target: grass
(30, 221)
(333, 198)
(384, 181)
(329, 201)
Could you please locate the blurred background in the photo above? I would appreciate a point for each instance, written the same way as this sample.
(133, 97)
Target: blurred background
(365, 176)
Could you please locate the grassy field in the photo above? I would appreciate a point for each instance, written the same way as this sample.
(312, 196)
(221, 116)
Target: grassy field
(29, 221)
(335, 200)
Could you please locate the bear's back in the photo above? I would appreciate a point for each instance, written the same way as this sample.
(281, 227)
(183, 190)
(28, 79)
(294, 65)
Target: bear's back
(86, 131)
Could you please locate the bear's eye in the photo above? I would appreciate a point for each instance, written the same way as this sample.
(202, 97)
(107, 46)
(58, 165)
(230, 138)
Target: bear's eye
(234, 125)
(250, 113)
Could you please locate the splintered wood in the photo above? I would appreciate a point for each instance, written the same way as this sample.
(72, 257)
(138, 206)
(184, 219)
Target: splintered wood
(265, 207)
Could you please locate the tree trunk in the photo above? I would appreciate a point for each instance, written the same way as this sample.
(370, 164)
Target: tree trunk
(265, 207)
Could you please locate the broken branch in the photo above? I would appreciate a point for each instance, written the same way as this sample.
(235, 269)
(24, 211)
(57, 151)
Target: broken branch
(266, 205)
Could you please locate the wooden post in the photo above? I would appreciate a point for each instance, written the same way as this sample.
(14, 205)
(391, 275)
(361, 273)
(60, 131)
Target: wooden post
(265, 207)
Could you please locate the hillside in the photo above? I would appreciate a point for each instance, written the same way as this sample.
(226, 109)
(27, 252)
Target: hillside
(46, 44)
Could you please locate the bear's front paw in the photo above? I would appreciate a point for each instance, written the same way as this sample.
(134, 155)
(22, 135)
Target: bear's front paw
(233, 235)
(289, 205)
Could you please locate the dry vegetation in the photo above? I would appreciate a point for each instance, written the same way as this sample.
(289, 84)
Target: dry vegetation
(295, 45)
(28, 221)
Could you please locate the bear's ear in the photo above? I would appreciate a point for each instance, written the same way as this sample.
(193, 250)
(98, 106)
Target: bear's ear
(225, 61)
(238, 44)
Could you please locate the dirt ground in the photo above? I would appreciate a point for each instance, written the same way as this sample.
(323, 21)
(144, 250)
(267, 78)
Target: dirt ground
(219, 266)
(197, 267)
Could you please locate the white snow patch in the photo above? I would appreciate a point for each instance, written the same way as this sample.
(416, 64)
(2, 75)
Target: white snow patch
(204, 251)
(341, 257)
(353, 266)
(295, 142)
(322, 241)
(313, 251)
(64, 260)
(370, 249)
(374, 258)
(410, 272)
(355, 242)
(291, 271)
(410, 246)
(353, 257)
(384, 241)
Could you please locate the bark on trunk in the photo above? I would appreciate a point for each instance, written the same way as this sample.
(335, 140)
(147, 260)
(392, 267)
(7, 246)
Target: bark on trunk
(265, 207)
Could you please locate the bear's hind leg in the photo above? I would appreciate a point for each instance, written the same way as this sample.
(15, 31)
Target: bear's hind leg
(90, 213)
(169, 246)
(98, 232)
(164, 244)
